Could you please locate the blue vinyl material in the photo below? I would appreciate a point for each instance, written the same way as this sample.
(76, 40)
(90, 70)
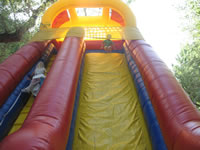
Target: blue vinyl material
(76, 103)
(13, 105)
(103, 51)
(73, 122)
(16, 101)
(148, 111)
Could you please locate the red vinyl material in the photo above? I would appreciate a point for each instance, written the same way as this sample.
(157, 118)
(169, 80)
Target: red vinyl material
(48, 123)
(13, 69)
(117, 17)
(96, 45)
(178, 117)
(60, 19)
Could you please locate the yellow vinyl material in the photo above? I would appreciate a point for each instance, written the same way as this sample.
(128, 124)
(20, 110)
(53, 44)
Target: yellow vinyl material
(119, 33)
(20, 120)
(102, 24)
(23, 114)
(109, 114)
(118, 5)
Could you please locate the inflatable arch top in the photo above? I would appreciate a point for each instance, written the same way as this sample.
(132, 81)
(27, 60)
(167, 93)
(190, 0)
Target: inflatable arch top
(172, 120)
(60, 8)
(115, 18)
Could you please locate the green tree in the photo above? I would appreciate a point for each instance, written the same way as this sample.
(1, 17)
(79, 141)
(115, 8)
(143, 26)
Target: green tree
(19, 16)
(128, 1)
(19, 20)
(187, 70)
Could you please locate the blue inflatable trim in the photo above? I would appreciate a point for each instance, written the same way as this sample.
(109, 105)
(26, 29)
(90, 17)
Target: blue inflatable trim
(148, 111)
(16, 101)
(73, 122)
(76, 103)
(13, 105)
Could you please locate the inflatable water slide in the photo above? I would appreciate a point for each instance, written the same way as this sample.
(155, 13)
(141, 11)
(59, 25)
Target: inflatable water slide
(91, 99)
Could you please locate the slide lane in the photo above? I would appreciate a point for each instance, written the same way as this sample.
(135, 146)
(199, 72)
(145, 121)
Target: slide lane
(23, 114)
(48, 122)
(109, 114)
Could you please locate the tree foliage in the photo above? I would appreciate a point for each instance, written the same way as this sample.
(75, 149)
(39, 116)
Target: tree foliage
(128, 1)
(19, 20)
(191, 11)
(187, 70)
(18, 16)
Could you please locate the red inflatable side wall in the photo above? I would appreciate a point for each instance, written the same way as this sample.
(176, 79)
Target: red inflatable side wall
(60, 19)
(13, 69)
(96, 44)
(117, 17)
(48, 123)
(178, 118)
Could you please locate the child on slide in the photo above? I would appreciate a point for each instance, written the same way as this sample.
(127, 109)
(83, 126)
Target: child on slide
(37, 79)
(108, 44)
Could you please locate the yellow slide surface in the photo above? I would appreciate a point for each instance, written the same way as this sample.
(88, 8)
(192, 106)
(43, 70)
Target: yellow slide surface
(23, 114)
(109, 114)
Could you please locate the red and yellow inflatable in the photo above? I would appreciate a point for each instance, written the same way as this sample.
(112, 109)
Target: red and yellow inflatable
(91, 99)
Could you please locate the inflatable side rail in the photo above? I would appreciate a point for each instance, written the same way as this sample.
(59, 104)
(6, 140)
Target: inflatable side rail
(13, 69)
(48, 123)
(178, 118)
(148, 111)
(16, 101)
(76, 104)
